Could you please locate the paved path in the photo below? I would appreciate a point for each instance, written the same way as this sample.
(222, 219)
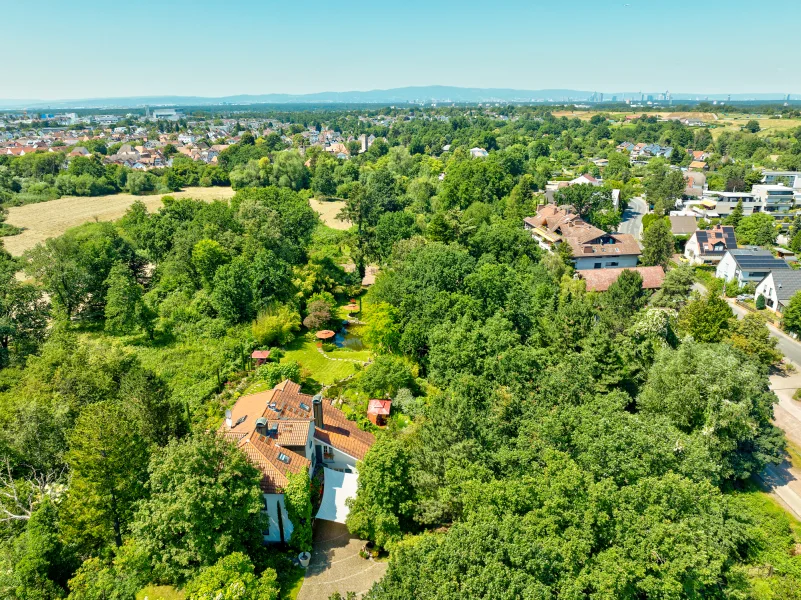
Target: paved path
(632, 217)
(353, 360)
(336, 565)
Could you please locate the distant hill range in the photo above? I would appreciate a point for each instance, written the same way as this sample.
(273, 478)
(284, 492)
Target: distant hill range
(404, 95)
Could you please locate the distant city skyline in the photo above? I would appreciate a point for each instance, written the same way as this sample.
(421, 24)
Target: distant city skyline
(94, 49)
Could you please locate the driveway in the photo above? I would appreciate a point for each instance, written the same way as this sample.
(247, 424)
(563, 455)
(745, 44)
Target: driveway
(336, 565)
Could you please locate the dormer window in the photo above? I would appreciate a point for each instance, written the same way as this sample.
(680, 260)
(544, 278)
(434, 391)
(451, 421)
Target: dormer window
(283, 458)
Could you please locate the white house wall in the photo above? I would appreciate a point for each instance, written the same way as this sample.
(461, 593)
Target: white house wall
(340, 462)
(767, 289)
(273, 534)
(727, 268)
(607, 262)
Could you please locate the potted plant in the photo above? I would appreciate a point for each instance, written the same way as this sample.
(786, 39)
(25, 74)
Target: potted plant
(304, 558)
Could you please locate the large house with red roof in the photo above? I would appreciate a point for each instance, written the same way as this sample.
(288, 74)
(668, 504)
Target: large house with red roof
(591, 248)
(283, 431)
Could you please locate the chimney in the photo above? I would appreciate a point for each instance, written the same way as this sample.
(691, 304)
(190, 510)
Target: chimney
(317, 406)
(228, 419)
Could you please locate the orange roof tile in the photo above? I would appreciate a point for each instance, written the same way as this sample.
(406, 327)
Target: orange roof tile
(342, 434)
(267, 456)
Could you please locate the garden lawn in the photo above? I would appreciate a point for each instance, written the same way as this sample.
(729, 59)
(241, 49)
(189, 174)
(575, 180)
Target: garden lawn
(323, 370)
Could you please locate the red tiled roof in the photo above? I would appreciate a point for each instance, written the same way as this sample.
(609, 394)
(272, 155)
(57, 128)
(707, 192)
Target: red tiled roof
(379, 407)
(289, 416)
(599, 280)
(260, 354)
(342, 434)
(265, 454)
(624, 245)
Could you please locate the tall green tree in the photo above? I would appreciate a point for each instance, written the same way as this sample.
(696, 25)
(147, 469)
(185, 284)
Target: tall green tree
(384, 501)
(108, 460)
(125, 306)
(23, 313)
(658, 244)
(232, 578)
(204, 503)
(297, 498)
(758, 229)
(791, 317)
(735, 216)
(706, 318)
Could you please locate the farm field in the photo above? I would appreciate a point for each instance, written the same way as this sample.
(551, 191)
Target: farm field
(50, 219)
(720, 121)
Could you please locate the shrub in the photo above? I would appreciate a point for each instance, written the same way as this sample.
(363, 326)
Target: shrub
(760, 302)
(274, 373)
(406, 403)
(387, 375)
(276, 325)
(297, 497)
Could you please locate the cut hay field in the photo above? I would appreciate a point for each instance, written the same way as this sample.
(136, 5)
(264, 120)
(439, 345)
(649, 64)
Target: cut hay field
(768, 125)
(328, 211)
(50, 219)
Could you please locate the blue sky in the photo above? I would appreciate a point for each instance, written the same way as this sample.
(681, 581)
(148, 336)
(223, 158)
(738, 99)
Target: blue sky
(93, 48)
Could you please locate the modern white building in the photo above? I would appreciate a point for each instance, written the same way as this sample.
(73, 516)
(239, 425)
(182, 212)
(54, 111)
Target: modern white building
(165, 114)
(750, 264)
(776, 200)
(725, 202)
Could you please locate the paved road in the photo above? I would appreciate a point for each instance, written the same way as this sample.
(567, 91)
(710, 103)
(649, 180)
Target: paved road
(789, 347)
(632, 217)
(783, 480)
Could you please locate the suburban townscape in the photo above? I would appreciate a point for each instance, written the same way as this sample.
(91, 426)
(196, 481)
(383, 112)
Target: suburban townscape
(522, 342)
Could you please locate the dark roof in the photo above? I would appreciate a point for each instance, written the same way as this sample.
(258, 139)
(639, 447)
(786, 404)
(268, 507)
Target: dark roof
(724, 233)
(756, 258)
(787, 283)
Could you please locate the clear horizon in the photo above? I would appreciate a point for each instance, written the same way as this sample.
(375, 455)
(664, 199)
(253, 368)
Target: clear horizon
(95, 49)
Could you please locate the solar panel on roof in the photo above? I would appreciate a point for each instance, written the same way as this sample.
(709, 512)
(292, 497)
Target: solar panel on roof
(760, 261)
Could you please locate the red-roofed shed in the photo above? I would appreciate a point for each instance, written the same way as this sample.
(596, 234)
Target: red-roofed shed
(378, 411)
(260, 356)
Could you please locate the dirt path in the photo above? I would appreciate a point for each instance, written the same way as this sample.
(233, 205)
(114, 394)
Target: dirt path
(50, 219)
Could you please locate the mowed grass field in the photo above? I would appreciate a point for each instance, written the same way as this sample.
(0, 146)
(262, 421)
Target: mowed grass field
(50, 219)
